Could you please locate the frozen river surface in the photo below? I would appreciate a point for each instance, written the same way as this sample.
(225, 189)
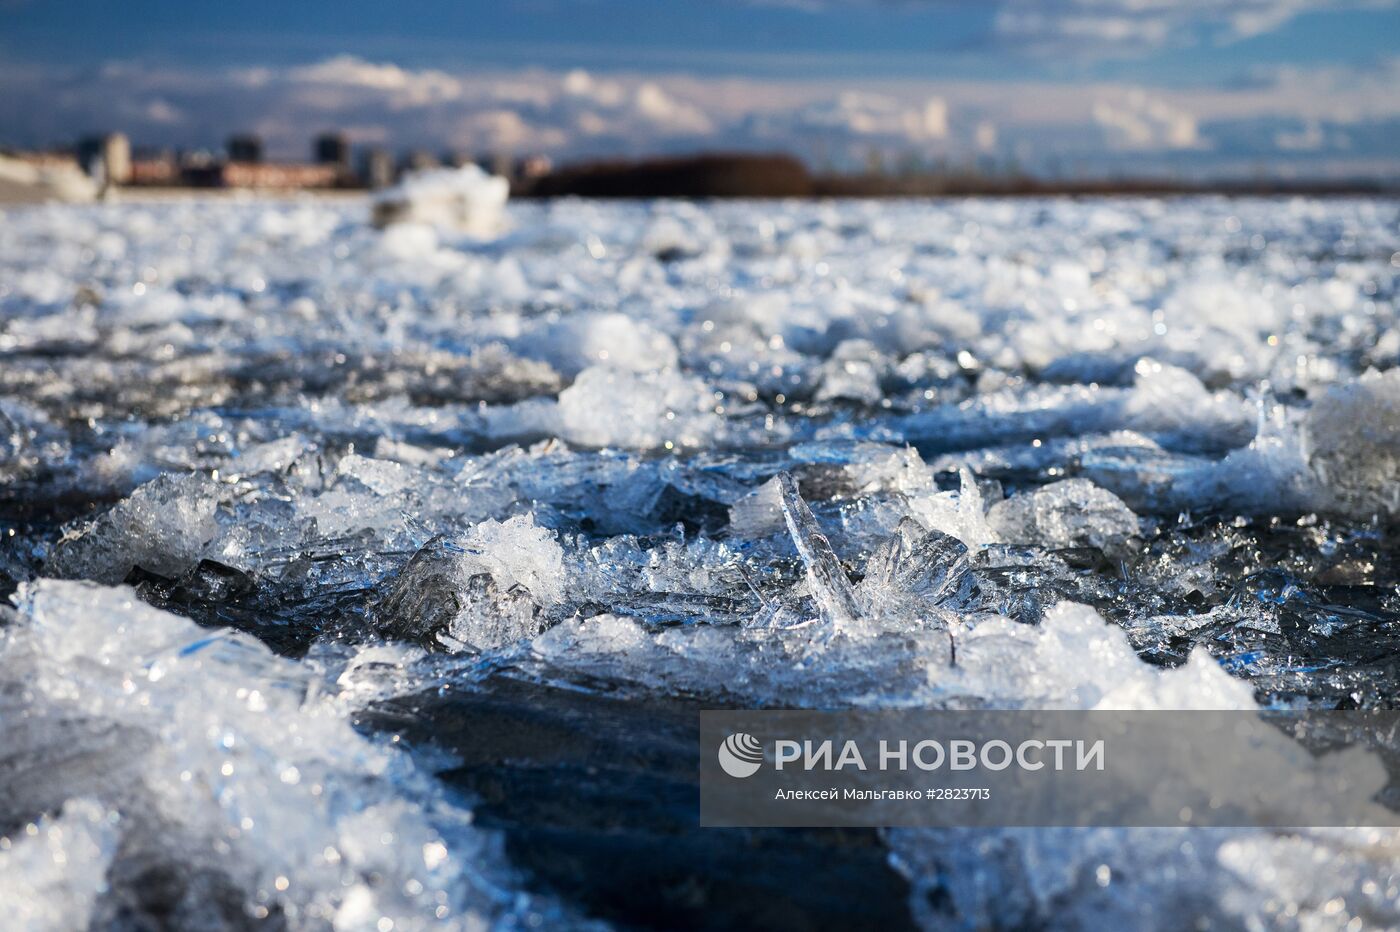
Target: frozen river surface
(371, 580)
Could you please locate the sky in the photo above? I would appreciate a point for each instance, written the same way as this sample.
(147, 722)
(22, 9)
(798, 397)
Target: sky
(1187, 87)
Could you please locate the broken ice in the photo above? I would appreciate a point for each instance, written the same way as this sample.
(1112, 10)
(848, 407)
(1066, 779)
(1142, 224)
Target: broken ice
(269, 470)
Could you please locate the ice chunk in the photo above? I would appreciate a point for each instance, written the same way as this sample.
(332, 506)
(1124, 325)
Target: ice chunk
(1353, 438)
(618, 643)
(364, 494)
(493, 374)
(613, 341)
(250, 793)
(484, 590)
(424, 596)
(1076, 660)
(407, 241)
(899, 469)
(163, 527)
(926, 564)
(1165, 401)
(493, 616)
(670, 239)
(381, 477)
(1342, 457)
(518, 552)
(826, 579)
(960, 514)
(53, 871)
(1216, 302)
(34, 183)
(465, 199)
(271, 457)
(759, 513)
(910, 580)
(851, 374)
(605, 407)
(1070, 513)
(1171, 401)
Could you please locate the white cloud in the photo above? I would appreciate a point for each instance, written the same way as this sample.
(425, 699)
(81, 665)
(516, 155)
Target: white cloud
(414, 88)
(1312, 136)
(1115, 27)
(1130, 27)
(986, 136)
(663, 110)
(583, 86)
(856, 119)
(159, 111)
(1308, 139)
(1276, 115)
(932, 123)
(1138, 121)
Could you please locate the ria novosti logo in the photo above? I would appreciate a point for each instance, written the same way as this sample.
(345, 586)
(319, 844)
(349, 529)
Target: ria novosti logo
(740, 755)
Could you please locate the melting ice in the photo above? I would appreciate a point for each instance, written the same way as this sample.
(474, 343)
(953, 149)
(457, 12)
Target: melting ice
(264, 465)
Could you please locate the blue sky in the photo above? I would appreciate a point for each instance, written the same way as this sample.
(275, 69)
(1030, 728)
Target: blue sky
(1191, 86)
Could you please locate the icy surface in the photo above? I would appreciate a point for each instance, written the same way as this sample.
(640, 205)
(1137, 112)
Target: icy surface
(265, 466)
(53, 872)
(248, 788)
(1069, 513)
(465, 199)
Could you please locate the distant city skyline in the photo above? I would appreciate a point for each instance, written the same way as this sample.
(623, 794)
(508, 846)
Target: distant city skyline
(1288, 87)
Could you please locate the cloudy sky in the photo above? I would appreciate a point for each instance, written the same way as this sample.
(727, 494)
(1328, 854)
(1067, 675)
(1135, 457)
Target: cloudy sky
(1198, 87)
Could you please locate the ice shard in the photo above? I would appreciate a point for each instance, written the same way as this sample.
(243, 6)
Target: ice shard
(830, 588)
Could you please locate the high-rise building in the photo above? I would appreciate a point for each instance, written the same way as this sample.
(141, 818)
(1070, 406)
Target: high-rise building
(106, 158)
(332, 148)
(116, 158)
(377, 168)
(245, 147)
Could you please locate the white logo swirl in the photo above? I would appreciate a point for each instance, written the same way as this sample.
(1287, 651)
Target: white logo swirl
(740, 755)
